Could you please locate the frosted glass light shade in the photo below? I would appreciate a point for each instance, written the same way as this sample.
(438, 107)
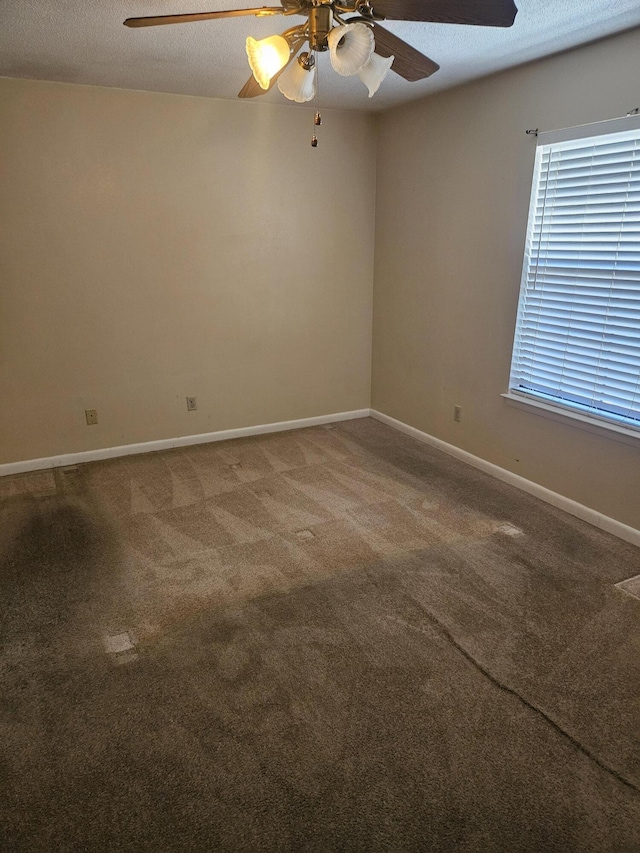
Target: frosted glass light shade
(350, 48)
(267, 57)
(374, 72)
(297, 83)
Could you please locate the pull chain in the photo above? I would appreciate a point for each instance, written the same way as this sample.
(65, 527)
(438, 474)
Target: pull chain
(317, 119)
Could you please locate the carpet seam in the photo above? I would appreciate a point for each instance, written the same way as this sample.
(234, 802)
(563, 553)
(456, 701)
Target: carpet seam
(620, 777)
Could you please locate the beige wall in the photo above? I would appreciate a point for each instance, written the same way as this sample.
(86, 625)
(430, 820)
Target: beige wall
(156, 246)
(454, 176)
(145, 255)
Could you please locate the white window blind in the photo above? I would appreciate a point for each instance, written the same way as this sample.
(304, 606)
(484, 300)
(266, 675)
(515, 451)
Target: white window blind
(577, 341)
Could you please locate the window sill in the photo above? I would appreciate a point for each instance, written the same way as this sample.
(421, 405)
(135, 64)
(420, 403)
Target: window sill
(613, 431)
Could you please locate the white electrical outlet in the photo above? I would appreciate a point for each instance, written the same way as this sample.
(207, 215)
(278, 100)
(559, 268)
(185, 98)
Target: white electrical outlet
(191, 404)
(457, 414)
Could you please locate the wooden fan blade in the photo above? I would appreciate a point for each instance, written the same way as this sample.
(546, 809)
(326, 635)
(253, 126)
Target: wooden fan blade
(480, 13)
(409, 62)
(202, 16)
(252, 88)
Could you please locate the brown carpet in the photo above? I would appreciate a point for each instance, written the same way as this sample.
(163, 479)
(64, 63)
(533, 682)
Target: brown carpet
(334, 639)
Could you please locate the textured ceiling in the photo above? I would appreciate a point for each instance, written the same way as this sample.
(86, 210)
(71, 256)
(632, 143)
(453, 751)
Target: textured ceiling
(83, 41)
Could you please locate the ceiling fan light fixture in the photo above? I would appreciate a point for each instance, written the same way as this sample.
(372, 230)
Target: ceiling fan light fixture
(298, 82)
(266, 57)
(350, 48)
(350, 44)
(374, 72)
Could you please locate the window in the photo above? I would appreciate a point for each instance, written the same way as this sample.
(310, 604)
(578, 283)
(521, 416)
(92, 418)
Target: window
(577, 341)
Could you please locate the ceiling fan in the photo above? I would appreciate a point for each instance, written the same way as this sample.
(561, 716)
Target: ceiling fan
(358, 45)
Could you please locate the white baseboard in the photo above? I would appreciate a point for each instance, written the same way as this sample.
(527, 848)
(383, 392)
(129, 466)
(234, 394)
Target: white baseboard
(168, 443)
(592, 516)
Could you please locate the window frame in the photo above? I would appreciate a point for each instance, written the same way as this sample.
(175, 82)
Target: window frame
(538, 402)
